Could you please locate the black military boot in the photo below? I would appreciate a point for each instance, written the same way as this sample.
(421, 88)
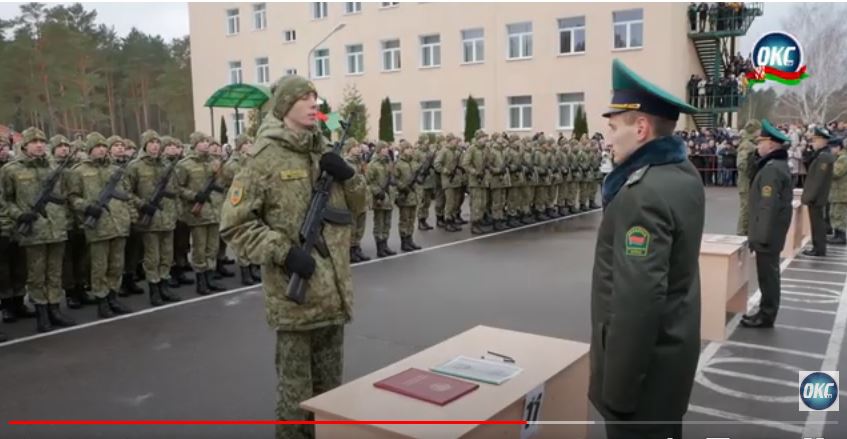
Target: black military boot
(404, 244)
(440, 223)
(57, 318)
(74, 297)
(202, 288)
(380, 249)
(476, 228)
(450, 226)
(361, 255)
(222, 271)
(247, 275)
(8, 315)
(593, 205)
(227, 260)
(173, 282)
(387, 249)
(42, 319)
(839, 238)
(128, 286)
(573, 209)
(540, 216)
(155, 294)
(354, 257)
(167, 295)
(103, 309)
(563, 211)
(210, 282)
(115, 305)
(183, 278)
(527, 219)
(413, 244)
(459, 220)
(423, 225)
(499, 225)
(256, 271)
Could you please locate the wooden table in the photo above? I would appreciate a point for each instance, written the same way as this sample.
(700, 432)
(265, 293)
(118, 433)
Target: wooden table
(725, 263)
(561, 365)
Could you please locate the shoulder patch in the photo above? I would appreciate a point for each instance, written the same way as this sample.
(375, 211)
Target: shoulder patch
(637, 241)
(236, 192)
(767, 191)
(636, 176)
(293, 174)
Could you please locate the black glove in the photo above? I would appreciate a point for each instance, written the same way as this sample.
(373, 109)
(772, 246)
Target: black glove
(148, 209)
(93, 211)
(335, 166)
(300, 262)
(27, 218)
(380, 196)
(200, 198)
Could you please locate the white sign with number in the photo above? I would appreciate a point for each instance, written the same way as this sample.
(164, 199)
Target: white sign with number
(532, 411)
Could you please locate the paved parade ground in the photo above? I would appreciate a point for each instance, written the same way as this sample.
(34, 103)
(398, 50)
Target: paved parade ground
(212, 357)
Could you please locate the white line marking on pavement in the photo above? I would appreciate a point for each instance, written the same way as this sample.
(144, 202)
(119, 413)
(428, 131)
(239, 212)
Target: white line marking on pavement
(745, 419)
(830, 362)
(807, 261)
(741, 344)
(253, 287)
(787, 280)
(800, 328)
(751, 377)
(809, 270)
(797, 308)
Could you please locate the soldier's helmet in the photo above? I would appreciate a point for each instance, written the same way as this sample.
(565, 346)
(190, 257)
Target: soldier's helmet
(149, 136)
(32, 134)
(58, 140)
(94, 139)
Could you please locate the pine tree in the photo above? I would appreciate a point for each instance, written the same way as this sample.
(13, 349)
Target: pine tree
(471, 118)
(386, 122)
(223, 131)
(353, 104)
(325, 109)
(580, 124)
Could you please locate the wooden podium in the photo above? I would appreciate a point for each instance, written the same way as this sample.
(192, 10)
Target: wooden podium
(800, 230)
(561, 366)
(724, 277)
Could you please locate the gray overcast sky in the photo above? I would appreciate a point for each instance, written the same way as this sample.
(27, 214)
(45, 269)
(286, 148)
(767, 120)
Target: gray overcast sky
(170, 20)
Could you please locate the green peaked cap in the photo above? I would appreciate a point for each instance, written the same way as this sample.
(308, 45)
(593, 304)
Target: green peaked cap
(631, 92)
(772, 132)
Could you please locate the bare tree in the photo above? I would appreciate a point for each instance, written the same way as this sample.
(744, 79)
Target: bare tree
(821, 31)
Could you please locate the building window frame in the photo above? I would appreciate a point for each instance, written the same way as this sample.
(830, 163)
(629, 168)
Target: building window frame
(389, 5)
(260, 16)
(523, 39)
(391, 56)
(351, 8)
(233, 22)
(397, 117)
(320, 10)
(321, 64)
(431, 116)
(571, 25)
(236, 72)
(289, 36)
(523, 110)
(569, 102)
(430, 50)
(628, 25)
(355, 60)
(263, 70)
(475, 45)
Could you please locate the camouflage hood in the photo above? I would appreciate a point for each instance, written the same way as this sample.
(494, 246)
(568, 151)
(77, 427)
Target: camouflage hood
(93, 139)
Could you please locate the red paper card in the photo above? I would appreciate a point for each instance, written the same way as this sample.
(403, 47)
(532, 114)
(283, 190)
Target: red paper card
(427, 386)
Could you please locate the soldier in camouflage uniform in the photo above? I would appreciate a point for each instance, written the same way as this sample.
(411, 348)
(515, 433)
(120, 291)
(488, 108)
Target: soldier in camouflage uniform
(555, 169)
(382, 185)
(447, 166)
(574, 176)
(440, 194)
(584, 160)
(563, 189)
(746, 162)
(250, 273)
(517, 177)
(216, 152)
(429, 185)
(407, 196)
(144, 176)
(596, 175)
(107, 238)
(541, 162)
(838, 193)
(354, 158)
(499, 181)
(13, 265)
(477, 162)
(200, 211)
(262, 217)
(182, 238)
(44, 245)
(531, 180)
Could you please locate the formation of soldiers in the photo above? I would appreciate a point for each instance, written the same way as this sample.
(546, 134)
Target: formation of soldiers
(510, 181)
(85, 220)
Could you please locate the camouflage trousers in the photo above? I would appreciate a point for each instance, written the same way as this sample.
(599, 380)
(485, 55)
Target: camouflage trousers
(514, 201)
(107, 265)
(44, 273)
(182, 244)
(452, 202)
(586, 192)
(358, 229)
(553, 195)
(308, 363)
(204, 247)
(838, 215)
(539, 200)
(158, 255)
(527, 194)
(479, 203)
(743, 198)
(408, 215)
(573, 193)
(382, 224)
(498, 203)
(426, 197)
(564, 197)
(76, 264)
(13, 271)
(440, 201)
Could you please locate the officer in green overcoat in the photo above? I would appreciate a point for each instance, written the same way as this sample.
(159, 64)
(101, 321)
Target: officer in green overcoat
(645, 292)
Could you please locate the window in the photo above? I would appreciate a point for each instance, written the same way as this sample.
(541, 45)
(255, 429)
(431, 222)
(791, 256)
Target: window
(520, 112)
(231, 21)
(480, 103)
(352, 7)
(263, 73)
(431, 50)
(430, 116)
(628, 28)
(290, 72)
(289, 36)
(322, 63)
(319, 10)
(260, 16)
(389, 4)
(391, 55)
(355, 59)
(520, 40)
(397, 117)
(473, 45)
(571, 35)
(238, 123)
(235, 72)
(568, 104)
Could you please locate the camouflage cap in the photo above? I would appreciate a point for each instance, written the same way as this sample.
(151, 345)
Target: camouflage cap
(480, 134)
(78, 145)
(94, 139)
(32, 134)
(380, 146)
(168, 140)
(111, 141)
(149, 136)
(752, 126)
(244, 138)
(197, 137)
(287, 91)
(130, 144)
(58, 140)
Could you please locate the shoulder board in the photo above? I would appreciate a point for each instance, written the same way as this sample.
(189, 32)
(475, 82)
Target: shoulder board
(636, 176)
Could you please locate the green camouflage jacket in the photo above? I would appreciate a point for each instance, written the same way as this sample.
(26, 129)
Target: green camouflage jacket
(192, 173)
(143, 175)
(379, 172)
(21, 181)
(405, 169)
(86, 181)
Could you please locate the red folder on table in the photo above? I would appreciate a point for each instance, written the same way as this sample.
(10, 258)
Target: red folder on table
(427, 386)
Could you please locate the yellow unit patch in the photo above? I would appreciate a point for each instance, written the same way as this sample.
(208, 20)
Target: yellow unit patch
(236, 192)
(293, 174)
(767, 191)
